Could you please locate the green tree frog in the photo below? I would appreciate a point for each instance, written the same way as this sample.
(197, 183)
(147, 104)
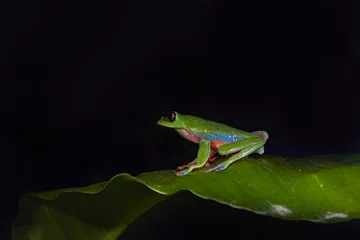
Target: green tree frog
(214, 139)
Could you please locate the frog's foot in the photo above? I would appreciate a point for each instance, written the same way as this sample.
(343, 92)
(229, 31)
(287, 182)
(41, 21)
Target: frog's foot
(187, 165)
(217, 168)
(182, 173)
(193, 167)
(222, 166)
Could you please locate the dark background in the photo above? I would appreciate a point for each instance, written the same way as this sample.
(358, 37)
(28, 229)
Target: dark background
(84, 83)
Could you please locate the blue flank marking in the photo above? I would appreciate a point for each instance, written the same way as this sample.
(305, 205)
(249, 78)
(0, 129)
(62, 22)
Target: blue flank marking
(225, 138)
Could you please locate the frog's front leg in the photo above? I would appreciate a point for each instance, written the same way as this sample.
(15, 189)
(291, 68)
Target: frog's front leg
(203, 155)
(241, 149)
(212, 158)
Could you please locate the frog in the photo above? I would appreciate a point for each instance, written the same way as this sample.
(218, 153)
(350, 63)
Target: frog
(215, 140)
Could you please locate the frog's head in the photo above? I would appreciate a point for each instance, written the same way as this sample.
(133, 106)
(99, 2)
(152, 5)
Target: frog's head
(174, 120)
(183, 124)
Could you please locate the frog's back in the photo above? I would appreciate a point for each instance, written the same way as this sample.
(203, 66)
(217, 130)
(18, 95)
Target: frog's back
(215, 131)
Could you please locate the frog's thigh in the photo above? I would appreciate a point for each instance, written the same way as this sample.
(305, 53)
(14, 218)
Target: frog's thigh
(240, 145)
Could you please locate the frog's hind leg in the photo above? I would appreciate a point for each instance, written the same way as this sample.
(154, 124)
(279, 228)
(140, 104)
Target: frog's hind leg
(260, 150)
(264, 135)
(245, 148)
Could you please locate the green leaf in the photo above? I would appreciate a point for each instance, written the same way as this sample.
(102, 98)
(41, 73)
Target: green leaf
(322, 189)
(100, 211)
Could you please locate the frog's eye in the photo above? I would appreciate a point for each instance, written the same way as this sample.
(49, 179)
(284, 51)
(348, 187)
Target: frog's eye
(172, 116)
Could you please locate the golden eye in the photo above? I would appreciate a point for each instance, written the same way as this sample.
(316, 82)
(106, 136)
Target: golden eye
(172, 116)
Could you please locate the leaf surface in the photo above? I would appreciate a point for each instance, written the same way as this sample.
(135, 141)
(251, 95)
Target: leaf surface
(322, 189)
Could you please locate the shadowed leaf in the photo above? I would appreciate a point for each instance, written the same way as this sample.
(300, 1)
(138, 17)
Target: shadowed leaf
(322, 189)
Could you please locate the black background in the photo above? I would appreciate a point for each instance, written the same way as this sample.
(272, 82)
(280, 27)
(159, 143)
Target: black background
(85, 82)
